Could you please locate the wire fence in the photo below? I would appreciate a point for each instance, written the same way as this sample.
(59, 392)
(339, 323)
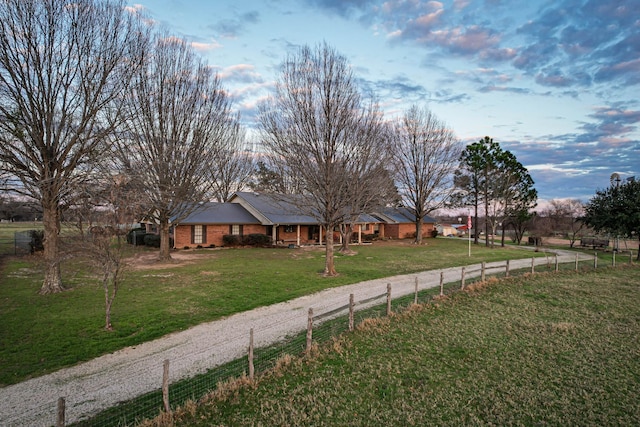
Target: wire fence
(321, 328)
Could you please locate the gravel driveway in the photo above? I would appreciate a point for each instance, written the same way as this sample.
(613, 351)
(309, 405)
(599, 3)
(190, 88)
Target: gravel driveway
(93, 386)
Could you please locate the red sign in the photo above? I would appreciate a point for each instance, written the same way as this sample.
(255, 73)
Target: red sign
(469, 222)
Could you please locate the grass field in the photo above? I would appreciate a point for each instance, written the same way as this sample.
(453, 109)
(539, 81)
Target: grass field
(545, 350)
(39, 334)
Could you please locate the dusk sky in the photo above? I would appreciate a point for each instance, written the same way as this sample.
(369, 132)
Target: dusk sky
(555, 82)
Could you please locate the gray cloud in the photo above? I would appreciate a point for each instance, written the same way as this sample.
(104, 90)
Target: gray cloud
(232, 28)
(344, 8)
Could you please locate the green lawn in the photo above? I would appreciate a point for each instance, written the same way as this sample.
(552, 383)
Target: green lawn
(551, 349)
(39, 334)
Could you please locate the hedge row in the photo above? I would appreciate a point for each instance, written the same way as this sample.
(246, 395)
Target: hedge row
(248, 240)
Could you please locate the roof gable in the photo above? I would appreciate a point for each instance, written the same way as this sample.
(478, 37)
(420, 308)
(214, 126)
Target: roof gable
(273, 208)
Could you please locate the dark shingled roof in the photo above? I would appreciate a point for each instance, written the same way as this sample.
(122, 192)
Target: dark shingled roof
(220, 213)
(401, 215)
(276, 208)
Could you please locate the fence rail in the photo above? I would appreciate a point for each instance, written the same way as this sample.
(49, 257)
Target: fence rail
(323, 323)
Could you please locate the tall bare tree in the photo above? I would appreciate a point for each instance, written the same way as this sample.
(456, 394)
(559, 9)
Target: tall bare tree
(179, 116)
(371, 185)
(312, 126)
(425, 152)
(62, 65)
(234, 164)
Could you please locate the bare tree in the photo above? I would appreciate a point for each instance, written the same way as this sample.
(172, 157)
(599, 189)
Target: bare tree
(566, 217)
(234, 164)
(425, 153)
(178, 120)
(371, 185)
(62, 66)
(310, 127)
(105, 243)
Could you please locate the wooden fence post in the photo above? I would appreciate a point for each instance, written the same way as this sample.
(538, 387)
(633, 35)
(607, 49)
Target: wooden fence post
(165, 386)
(533, 266)
(309, 330)
(613, 260)
(506, 274)
(576, 261)
(251, 366)
(483, 271)
(388, 299)
(557, 264)
(595, 260)
(415, 298)
(441, 283)
(462, 278)
(61, 412)
(351, 308)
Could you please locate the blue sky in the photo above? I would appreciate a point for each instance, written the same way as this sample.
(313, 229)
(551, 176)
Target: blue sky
(556, 82)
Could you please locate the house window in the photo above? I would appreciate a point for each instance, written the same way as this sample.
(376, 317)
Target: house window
(365, 227)
(198, 234)
(289, 229)
(236, 230)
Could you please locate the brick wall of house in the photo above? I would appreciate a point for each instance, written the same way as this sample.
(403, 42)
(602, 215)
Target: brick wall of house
(215, 233)
(406, 231)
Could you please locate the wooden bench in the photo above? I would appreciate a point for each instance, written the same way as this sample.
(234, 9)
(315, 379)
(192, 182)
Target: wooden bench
(594, 242)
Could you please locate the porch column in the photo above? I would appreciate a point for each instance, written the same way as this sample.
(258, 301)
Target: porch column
(298, 234)
(320, 235)
(274, 233)
(359, 234)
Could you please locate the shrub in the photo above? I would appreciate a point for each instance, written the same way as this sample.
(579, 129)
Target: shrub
(434, 233)
(256, 240)
(231, 240)
(152, 240)
(136, 236)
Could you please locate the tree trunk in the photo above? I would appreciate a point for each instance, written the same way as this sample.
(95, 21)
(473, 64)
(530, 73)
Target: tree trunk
(346, 232)
(51, 221)
(474, 226)
(329, 267)
(107, 304)
(165, 249)
(418, 240)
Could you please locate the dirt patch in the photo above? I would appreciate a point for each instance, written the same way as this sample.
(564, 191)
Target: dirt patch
(149, 260)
